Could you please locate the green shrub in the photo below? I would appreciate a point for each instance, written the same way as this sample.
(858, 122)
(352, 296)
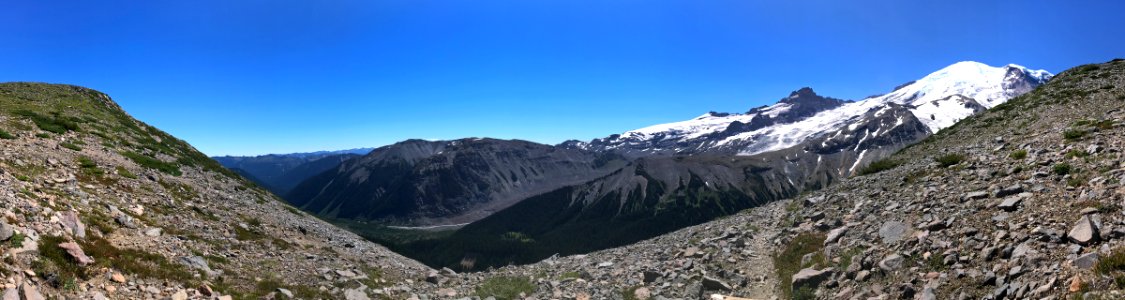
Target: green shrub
(43, 135)
(53, 123)
(1062, 169)
(1076, 181)
(125, 173)
(1018, 154)
(505, 287)
(152, 163)
(1074, 134)
(949, 159)
(6, 136)
(788, 261)
(89, 169)
(138, 262)
(517, 237)
(54, 260)
(16, 241)
(878, 166)
(1113, 265)
(1104, 125)
(1076, 153)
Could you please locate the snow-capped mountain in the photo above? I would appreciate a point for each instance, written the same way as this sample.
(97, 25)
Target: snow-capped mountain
(937, 101)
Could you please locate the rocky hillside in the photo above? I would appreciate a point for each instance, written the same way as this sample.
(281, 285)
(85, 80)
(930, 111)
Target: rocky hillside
(1022, 201)
(98, 205)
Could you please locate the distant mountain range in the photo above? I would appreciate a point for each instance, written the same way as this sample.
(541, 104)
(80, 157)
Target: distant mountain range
(279, 173)
(580, 196)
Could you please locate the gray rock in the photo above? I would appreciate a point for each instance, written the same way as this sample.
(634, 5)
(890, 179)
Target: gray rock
(928, 294)
(76, 252)
(356, 294)
(31, 293)
(153, 232)
(198, 263)
(125, 220)
(1008, 191)
(433, 277)
(346, 273)
(862, 275)
(1084, 232)
(715, 284)
(73, 225)
(976, 195)
(650, 276)
(891, 262)
(11, 294)
(287, 293)
(1010, 203)
(835, 235)
(6, 231)
(893, 231)
(810, 277)
(1086, 261)
(1021, 250)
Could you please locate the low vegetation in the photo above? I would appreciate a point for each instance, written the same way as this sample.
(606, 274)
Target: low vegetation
(62, 270)
(1062, 169)
(788, 261)
(1113, 265)
(152, 163)
(878, 166)
(1018, 154)
(55, 122)
(1074, 134)
(123, 172)
(70, 146)
(505, 287)
(949, 159)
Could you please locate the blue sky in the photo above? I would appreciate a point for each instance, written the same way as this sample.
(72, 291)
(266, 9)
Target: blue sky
(270, 76)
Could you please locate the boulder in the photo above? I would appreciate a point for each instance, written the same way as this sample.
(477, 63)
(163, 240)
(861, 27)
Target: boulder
(1086, 261)
(1010, 203)
(893, 231)
(835, 234)
(75, 252)
(73, 225)
(356, 294)
(1008, 191)
(31, 293)
(976, 195)
(891, 262)
(715, 284)
(6, 231)
(1084, 232)
(11, 294)
(810, 277)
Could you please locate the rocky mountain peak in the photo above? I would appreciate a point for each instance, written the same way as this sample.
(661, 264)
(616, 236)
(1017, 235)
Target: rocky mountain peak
(802, 92)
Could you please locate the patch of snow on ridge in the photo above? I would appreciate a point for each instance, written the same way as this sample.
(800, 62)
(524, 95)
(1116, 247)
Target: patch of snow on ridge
(932, 98)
